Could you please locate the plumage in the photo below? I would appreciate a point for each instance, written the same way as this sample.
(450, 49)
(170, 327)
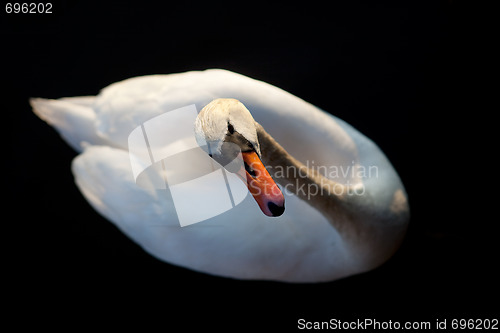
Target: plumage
(299, 246)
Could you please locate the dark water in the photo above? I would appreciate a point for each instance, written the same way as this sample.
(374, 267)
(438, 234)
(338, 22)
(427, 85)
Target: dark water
(397, 73)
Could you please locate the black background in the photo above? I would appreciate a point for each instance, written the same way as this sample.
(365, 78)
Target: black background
(403, 74)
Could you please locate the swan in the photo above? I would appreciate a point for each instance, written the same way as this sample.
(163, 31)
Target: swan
(336, 206)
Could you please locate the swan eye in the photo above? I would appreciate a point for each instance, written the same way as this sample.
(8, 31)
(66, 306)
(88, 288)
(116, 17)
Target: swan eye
(230, 128)
(250, 171)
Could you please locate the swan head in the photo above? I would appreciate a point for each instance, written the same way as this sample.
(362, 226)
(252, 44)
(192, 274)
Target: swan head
(226, 130)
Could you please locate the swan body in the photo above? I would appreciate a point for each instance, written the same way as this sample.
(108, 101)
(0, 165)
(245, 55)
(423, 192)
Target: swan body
(305, 244)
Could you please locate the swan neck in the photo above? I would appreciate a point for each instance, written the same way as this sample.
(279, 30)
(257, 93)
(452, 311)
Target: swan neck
(309, 185)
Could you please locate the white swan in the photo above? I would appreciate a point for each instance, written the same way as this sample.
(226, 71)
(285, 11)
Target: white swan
(302, 245)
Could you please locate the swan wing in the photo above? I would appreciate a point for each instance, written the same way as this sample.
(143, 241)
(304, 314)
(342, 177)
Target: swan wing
(73, 118)
(240, 243)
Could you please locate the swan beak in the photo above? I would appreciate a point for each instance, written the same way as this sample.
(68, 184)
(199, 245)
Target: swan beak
(262, 186)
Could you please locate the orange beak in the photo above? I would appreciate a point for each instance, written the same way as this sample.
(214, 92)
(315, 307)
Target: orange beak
(262, 186)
